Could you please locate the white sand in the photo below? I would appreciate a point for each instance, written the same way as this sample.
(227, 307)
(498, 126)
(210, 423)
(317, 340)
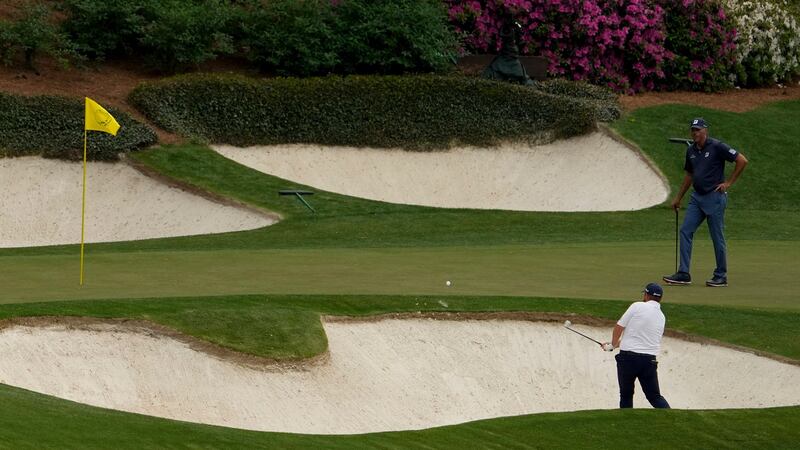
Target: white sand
(383, 375)
(41, 198)
(586, 173)
(41, 205)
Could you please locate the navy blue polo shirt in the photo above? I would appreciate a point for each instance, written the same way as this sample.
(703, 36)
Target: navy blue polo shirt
(707, 165)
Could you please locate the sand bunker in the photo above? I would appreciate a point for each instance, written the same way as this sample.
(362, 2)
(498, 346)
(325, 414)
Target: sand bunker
(587, 173)
(380, 375)
(41, 205)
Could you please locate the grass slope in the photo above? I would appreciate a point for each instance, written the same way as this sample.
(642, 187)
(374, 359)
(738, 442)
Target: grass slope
(767, 136)
(60, 424)
(281, 326)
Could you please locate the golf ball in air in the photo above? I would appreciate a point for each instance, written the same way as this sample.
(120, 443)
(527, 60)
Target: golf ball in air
(447, 283)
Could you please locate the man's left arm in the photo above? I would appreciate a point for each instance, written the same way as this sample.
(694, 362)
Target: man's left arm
(740, 163)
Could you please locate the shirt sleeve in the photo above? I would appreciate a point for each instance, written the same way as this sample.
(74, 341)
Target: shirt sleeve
(728, 154)
(623, 321)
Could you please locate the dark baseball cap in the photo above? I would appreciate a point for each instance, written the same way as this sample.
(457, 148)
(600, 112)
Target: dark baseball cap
(653, 289)
(698, 123)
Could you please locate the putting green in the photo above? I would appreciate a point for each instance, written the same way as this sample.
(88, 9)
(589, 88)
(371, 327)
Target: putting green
(762, 273)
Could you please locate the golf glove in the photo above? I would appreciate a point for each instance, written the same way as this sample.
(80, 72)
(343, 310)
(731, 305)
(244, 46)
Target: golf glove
(608, 347)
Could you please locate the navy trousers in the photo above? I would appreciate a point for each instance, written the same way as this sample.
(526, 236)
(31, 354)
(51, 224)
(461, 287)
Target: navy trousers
(630, 366)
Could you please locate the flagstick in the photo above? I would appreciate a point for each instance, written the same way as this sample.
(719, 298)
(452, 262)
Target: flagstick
(98, 119)
(83, 201)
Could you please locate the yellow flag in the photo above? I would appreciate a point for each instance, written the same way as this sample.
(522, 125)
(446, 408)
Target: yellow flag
(98, 119)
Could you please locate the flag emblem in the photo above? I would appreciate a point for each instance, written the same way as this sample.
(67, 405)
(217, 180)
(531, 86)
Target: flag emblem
(98, 119)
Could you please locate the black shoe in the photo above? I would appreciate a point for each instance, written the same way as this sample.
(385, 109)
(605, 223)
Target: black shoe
(717, 282)
(679, 278)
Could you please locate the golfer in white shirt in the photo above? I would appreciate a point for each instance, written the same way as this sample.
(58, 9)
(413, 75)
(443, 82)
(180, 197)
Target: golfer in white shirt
(640, 330)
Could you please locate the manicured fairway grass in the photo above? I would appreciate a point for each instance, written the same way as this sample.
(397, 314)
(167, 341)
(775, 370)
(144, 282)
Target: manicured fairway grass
(763, 274)
(399, 257)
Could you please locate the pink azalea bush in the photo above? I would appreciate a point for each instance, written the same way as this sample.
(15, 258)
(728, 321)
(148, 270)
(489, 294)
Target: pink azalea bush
(702, 38)
(624, 44)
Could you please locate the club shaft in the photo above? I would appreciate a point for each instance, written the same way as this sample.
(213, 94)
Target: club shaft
(681, 141)
(587, 337)
(676, 240)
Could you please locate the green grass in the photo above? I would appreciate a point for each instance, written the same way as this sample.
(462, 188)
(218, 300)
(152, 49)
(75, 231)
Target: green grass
(397, 257)
(762, 273)
(61, 424)
(238, 322)
(765, 136)
(763, 204)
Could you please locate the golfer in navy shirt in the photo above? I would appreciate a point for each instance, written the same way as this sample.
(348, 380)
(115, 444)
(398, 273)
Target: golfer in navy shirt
(705, 171)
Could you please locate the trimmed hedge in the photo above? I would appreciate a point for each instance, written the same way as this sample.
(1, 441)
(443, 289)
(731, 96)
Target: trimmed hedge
(53, 127)
(420, 112)
(603, 99)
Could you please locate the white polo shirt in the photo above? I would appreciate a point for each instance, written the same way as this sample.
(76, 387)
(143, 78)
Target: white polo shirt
(644, 325)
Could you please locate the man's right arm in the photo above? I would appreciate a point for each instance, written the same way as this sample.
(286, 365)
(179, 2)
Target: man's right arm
(687, 182)
(616, 335)
(619, 328)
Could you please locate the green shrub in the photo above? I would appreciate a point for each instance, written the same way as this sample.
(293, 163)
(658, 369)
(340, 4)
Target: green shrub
(182, 34)
(794, 6)
(394, 37)
(287, 37)
(169, 35)
(601, 98)
(291, 37)
(31, 34)
(7, 42)
(317, 37)
(421, 112)
(53, 127)
(107, 28)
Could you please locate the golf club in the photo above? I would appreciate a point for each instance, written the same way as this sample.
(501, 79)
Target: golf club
(688, 142)
(567, 325)
(676, 239)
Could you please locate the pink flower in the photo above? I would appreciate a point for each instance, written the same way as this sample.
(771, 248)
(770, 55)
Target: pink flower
(617, 42)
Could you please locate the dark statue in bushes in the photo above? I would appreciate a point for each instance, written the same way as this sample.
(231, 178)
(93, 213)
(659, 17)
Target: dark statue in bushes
(506, 66)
